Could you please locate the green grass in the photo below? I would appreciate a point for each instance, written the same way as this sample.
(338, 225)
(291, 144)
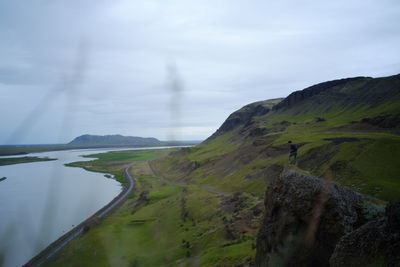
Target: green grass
(163, 192)
(230, 255)
(377, 164)
(335, 114)
(129, 155)
(115, 162)
(178, 226)
(157, 234)
(371, 163)
(199, 222)
(9, 161)
(214, 148)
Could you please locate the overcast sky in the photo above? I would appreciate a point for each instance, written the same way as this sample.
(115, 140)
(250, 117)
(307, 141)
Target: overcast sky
(175, 69)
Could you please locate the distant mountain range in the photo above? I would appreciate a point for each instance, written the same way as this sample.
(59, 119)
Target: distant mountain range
(93, 141)
(114, 140)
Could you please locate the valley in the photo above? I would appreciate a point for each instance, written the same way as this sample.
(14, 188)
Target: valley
(204, 205)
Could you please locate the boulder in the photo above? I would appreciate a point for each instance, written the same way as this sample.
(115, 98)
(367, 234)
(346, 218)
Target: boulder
(306, 217)
(377, 243)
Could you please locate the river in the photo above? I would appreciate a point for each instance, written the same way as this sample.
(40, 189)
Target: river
(40, 201)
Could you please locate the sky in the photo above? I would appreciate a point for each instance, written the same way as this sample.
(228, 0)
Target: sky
(175, 69)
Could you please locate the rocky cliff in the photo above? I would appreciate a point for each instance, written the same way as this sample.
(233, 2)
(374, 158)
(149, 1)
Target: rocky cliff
(306, 218)
(357, 91)
(301, 95)
(245, 116)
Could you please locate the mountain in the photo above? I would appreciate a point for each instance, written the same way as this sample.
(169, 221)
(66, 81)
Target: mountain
(348, 132)
(88, 140)
(234, 199)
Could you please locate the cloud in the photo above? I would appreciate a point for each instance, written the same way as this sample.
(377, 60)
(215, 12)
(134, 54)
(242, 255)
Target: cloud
(227, 53)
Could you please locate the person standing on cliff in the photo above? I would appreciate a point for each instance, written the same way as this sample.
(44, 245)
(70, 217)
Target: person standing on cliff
(292, 152)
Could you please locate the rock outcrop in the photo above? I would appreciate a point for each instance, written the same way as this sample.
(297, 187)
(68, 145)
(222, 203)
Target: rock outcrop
(384, 121)
(244, 116)
(305, 219)
(350, 92)
(377, 243)
(301, 95)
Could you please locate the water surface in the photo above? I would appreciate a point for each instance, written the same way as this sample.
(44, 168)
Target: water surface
(40, 201)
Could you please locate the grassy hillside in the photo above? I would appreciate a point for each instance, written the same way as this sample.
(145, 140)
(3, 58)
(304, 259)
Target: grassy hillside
(164, 223)
(348, 131)
(202, 206)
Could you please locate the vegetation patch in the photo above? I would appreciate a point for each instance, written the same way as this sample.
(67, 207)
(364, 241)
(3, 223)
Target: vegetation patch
(9, 161)
(167, 225)
(115, 162)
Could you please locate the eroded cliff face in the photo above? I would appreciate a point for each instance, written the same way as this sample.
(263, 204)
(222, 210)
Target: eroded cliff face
(306, 217)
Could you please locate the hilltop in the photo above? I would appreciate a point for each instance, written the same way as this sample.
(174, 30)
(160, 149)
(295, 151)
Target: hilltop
(114, 140)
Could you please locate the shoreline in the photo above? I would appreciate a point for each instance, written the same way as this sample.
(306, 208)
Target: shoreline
(53, 248)
(21, 150)
(20, 160)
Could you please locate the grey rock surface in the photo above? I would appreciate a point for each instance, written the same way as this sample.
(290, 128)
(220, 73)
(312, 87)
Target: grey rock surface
(306, 217)
(377, 243)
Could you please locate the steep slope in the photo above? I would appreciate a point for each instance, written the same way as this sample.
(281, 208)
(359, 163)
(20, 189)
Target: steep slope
(348, 133)
(109, 140)
(347, 130)
(245, 116)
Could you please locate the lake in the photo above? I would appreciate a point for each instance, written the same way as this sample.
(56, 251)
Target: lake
(41, 201)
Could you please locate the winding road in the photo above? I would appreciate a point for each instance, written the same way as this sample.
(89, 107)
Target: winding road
(77, 231)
